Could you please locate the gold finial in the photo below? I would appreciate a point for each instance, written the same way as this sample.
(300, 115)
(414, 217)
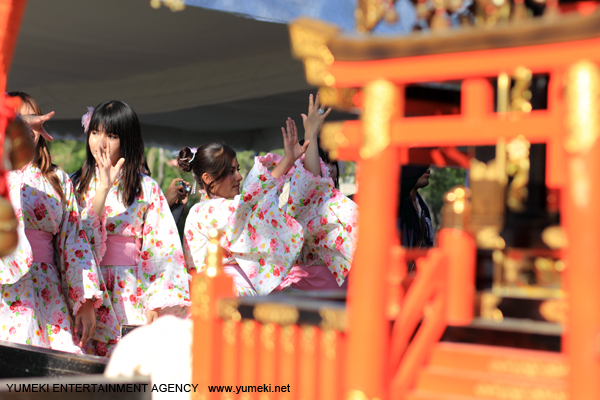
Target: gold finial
(214, 260)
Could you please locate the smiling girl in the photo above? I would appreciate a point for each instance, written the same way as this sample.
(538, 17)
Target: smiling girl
(39, 294)
(137, 242)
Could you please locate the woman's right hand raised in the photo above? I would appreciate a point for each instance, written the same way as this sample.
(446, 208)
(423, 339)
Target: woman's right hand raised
(108, 172)
(291, 148)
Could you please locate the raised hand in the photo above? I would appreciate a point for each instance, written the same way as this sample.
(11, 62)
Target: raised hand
(291, 145)
(108, 172)
(313, 122)
(36, 124)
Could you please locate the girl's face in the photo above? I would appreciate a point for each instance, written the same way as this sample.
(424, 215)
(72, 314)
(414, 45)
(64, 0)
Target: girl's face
(25, 109)
(229, 187)
(99, 139)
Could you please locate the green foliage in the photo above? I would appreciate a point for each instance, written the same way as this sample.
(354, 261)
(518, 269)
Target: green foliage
(67, 154)
(440, 181)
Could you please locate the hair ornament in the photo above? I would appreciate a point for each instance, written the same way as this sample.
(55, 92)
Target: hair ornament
(86, 118)
(194, 150)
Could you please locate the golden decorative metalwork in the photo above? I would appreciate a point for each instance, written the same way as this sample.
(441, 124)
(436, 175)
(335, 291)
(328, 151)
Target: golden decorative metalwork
(583, 107)
(340, 98)
(529, 368)
(514, 392)
(332, 319)
(518, 167)
(490, 12)
(520, 94)
(554, 237)
(332, 138)
(456, 212)
(489, 307)
(309, 43)
(381, 104)
(248, 327)
(174, 5)
(227, 309)
(267, 336)
(274, 313)
(200, 297)
(488, 185)
(370, 13)
(287, 339)
(554, 310)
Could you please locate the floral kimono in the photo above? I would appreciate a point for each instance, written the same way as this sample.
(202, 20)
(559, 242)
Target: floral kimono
(257, 236)
(155, 278)
(43, 287)
(330, 226)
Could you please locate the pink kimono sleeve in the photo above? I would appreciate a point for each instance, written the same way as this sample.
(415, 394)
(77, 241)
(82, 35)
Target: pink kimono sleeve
(329, 220)
(264, 241)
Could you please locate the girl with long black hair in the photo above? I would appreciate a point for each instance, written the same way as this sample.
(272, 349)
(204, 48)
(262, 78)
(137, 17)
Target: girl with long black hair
(137, 242)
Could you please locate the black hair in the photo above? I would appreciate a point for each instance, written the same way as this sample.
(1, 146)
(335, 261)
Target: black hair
(214, 158)
(118, 118)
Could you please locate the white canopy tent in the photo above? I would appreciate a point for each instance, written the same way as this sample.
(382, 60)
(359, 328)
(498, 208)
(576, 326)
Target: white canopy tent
(191, 76)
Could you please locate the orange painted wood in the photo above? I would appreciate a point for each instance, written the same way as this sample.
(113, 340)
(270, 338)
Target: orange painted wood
(378, 188)
(267, 350)
(456, 66)
(330, 376)
(582, 226)
(230, 355)
(471, 383)
(249, 356)
(462, 356)
(288, 354)
(11, 14)
(462, 253)
(308, 378)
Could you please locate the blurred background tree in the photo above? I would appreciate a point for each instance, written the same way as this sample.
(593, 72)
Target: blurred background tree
(440, 181)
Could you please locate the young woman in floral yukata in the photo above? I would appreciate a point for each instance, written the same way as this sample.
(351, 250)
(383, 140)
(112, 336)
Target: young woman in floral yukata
(262, 242)
(52, 273)
(136, 242)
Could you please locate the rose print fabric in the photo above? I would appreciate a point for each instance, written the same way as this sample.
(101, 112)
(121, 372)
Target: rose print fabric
(36, 309)
(329, 220)
(257, 235)
(159, 280)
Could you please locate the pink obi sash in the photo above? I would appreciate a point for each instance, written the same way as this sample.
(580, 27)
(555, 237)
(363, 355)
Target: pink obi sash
(42, 245)
(121, 250)
(240, 278)
(316, 277)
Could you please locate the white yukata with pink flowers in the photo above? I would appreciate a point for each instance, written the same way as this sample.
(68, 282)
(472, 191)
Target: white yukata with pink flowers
(37, 305)
(330, 227)
(159, 280)
(257, 236)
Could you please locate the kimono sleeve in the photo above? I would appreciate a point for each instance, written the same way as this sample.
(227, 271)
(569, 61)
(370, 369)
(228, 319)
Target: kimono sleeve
(17, 264)
(329, 220)
(263, 240)
(80, 274)
(162, 276)
(93, 226)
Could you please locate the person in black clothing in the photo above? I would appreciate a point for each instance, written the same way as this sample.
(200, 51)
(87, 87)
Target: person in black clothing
(414, 219)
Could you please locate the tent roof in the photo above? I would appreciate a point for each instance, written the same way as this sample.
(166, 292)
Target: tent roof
(191, 76)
